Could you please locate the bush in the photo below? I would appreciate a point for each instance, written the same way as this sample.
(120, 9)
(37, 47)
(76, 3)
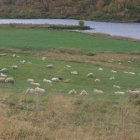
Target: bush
(81, 23)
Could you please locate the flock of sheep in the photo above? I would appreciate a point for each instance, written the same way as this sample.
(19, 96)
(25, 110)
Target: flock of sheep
(6, 79)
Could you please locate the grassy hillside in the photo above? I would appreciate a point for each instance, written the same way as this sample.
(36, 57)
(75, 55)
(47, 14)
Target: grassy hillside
(118, 10)
(55, 114)
(28, 39)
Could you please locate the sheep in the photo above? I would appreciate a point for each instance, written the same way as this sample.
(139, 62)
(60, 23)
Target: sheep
(2, 80)
(97, 80)
(47, 81)
(10, 80)
(74, 73)
(35, 84)
(18, 56)
(23, 61)
(132, 73)
(68, 66)
(43, 58)
(83, 93)
(101, 69)
(134, 93)
(15, 67)
(97, 91)
(30, 80)
(119, 92)
(50, 66)
(112, 78)
(30, 90)
(4, 70)
(14, 55)
(90, 75)
(73, 91)
(3, 54)
(39, 90)
(113, 71)
(3, 75)
(116, 86)
(125, 72)
(55, 79)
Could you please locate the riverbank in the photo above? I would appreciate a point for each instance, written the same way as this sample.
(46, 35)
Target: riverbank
(44, 26)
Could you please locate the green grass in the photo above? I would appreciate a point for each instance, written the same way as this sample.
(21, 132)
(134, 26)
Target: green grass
(38, 70)
(28, 39)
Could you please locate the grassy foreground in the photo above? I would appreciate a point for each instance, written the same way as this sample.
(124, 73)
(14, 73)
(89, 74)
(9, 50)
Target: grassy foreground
(55, 115)
(27, 39)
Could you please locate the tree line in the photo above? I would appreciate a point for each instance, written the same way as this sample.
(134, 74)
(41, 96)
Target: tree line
(107, 10)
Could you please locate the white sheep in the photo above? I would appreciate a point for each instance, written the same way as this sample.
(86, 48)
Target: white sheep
(2, 80)
(83, 93)
(3, 75)
(50, 66)
(116, 86)
(30, 90)
(97, 80)
(90, 75)
(74, 73)
(55, 79)
(14, 55)
(133, 73)
(119, 92)
(3, 54)
(15, 67)
(4, 70)
(35, 84)
(47, 81)
(113, 71)
(30, 80)
(43, 58)
(97, 91)
(112, 78)
(39, 90)
(10, 80)
(23, 61)
(73, 91)
(101, 69)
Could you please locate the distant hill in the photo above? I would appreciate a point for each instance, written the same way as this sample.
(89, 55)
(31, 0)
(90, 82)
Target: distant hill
(106, 10)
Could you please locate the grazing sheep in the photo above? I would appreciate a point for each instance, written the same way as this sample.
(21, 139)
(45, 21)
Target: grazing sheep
(83, 93)
(97, 91)
(43, 58)
(30, 90)
(35, 84)
(2, 80)
(132, 73)
(3, 54)
(97, 80)
(55, 79)
(50, 66)
(113, 71)
(4, 70)
(101, 69)
(74, 73)
(73, 91)
(90, 75)
(129, 61)
(14, 55)
(30, 80)
(116, 86)
(112, 78)
(126, 72)
(68, 66)
(134, 93)
(47, 81)
(119, 92)
(18, 56)
(15, 67)
(39, 90)
(23, 61)
(3, 75)
(9, 80)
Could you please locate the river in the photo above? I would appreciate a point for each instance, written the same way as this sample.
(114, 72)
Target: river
(131, 30)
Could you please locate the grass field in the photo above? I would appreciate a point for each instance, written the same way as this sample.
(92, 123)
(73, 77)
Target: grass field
(28, 39)
(56, 115)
